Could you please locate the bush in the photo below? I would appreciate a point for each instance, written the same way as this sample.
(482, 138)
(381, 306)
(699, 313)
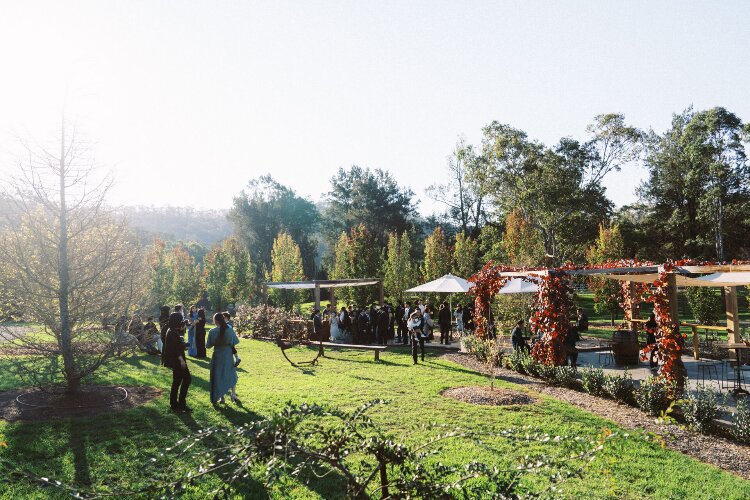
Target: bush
(741, 421)
(515, 361)
(593, 381)
(619, 387)
(654, 396)
(700, 408)
(480, 348)
(264, 322)
(705, 304)
(565, 376)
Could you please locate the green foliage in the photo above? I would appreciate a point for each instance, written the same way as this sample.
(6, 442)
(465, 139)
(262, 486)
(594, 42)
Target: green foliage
(399, 271)
(654, 396)
(267, 208)
(228, 275)
(593, 381)
(565, 376)
(619, 387)
(705, 303)
(491, 245)
(185, 286)
(437, 256)
(357, 255)
(286, 265)
(609, 246)
(741, 421)
(700, 408)
(160, 275)
(465, 256)
(522, 244)
(482, 349)
(511, 307)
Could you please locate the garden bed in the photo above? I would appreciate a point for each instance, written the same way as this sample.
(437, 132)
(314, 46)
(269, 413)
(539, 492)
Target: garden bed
(482, 395)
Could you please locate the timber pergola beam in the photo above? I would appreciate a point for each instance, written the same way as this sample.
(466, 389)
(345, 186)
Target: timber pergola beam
(316, 285)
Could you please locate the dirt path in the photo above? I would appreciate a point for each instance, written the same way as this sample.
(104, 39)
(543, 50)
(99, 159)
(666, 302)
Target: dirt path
(722, 453)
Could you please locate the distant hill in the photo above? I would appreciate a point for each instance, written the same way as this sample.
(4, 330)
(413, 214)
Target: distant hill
(178, 223)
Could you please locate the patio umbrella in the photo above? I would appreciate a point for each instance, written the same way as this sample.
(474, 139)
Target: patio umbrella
(444, 284)
(518, 285)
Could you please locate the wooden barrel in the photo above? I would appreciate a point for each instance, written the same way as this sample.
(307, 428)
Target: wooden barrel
(625, 347)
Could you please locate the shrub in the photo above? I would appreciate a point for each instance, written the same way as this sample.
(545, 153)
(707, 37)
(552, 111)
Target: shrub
(515, 361)
(705, 304)
(741, 422)
(700, 408)
(547, 372)
(654, 396)
(264, 322)
(480, 348)
(564, 376)
(593, 381)
(619, 387)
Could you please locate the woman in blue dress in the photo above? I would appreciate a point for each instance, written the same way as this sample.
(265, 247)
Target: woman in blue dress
(223, 372)
(193, 318)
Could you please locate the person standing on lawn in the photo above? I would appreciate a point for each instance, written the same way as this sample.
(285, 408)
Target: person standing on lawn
(228, 320)
(444, 320)
(174, 357)
(200, 334)
(416, 325)
(192, 318)
(223, 371)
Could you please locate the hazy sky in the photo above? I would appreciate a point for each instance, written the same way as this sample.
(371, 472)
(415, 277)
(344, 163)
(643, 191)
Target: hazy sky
(187, 101)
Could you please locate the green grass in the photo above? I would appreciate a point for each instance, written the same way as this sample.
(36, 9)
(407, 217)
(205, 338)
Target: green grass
(115, 448)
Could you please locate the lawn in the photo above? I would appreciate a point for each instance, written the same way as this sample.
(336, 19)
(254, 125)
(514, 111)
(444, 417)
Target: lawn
(115, 448)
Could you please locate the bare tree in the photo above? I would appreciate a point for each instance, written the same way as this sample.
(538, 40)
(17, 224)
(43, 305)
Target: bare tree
(71, 267)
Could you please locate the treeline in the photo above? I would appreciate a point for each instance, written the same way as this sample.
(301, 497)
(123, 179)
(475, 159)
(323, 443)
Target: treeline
(509, 199)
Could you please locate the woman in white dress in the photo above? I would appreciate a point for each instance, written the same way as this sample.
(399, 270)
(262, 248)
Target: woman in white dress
(334, 319)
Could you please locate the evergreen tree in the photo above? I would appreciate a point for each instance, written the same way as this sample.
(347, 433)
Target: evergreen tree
(522, 244)
(465, 256)
(215, 275)
(186, 282)
(399, 270)
(609, 246)
(240, 284)
(437, 256)
(286, 265)
(159, 275)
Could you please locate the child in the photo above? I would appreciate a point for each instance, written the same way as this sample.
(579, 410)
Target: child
(228, 319)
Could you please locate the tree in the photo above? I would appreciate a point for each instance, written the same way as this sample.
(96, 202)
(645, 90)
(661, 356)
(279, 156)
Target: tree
(265, 209)
(608, 294)
(368, 197)
(465, 255)
(357, 255)
(521, 242)
(697, 186)
(72, 264)
(399, 271)
(286, 265)
(438, 256)
(215, 277)
(186, 276)
(159, 275)
(461, 195)
(228, 274)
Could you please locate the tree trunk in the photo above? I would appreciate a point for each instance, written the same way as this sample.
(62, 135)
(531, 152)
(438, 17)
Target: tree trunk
(63, 271)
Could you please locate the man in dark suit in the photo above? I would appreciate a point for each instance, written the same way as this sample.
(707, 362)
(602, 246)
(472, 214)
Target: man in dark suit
(444, 320)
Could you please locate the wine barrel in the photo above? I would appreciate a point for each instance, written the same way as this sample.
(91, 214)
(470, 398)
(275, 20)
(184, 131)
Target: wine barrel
(625, 348)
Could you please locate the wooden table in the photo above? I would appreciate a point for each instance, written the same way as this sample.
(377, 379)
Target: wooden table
(738, 389)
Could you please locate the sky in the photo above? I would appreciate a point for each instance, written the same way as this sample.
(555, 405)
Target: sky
(184, 101)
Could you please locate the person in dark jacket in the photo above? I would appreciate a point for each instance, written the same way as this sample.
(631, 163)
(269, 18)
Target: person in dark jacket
(444, 320)
(571, 352)
(200, 334)
(651, 329)
(384, 323)
(517, 338)
(416, 331)
(174, 357)
(582, 322)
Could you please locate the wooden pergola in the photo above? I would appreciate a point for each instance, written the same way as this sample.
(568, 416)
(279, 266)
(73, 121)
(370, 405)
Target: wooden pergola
(678, 277)
(316, 285)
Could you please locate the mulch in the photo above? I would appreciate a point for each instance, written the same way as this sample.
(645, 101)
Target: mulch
(480, 395)
(720, 452)
(90, 401)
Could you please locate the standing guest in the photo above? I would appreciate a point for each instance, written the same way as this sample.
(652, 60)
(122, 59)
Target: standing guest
(192, 317)
(517, 338)
(223, 372)
(407, 313)
(163, 325)
(174, 358)
(317, 323)
(384, 322)
(421, 306)
(571, 352)
(200, 334)
(345, 322)
(468, 318)
(444, 320)
(582, 322)
(458, 313)
(416, 331)
(401, 324)
(228, 321)
(428, 324)
(651, 328)
(363, 324)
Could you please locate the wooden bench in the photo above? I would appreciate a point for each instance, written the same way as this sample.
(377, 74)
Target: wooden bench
(359, 347)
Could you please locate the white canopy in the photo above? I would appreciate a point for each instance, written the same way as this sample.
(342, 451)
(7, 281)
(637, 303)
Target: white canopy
(736, 278)
(519, 285)
(444, 284)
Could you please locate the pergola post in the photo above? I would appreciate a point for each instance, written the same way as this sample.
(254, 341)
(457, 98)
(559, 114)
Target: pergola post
(381, 293)
(733, 319)
(317, 295)
(632, 306)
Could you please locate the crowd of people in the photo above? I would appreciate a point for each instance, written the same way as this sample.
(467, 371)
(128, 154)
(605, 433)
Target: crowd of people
(405, 323)
(168, 341)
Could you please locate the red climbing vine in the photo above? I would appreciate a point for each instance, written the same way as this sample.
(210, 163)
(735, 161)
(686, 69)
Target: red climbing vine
(551, 318)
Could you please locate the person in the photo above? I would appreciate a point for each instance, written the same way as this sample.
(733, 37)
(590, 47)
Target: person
(416, 331)
(651, 328)
(444, 320)
(407, 313)
(384, 325)
(317, 323)
(228, 320)
(163, 325)
(150, 337)
(468, 318)
(173, 357)
(458, 313)
(582, 322)
(517, 338)
(428, 323)
(200, 334)
(345, 323)
(335, 326)
(192, 318)
(223, 372)
(571, 352)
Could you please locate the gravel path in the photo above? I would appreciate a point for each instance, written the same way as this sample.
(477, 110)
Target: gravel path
(720, 452)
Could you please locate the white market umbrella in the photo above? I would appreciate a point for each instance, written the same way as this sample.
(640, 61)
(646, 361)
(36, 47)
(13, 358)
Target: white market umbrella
(518, 285)
(444, 284)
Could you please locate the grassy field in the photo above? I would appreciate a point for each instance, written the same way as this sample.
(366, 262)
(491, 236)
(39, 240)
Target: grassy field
(115, 448)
